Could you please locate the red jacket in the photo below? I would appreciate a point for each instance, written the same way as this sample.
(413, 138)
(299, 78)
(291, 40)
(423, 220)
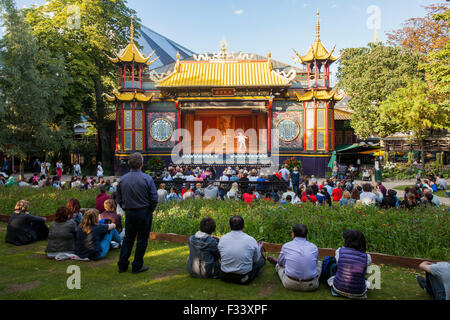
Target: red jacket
(248, 198)
(99, 202)
(336, 194)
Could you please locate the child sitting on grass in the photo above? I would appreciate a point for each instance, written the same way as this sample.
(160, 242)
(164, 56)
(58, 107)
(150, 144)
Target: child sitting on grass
(94, 239)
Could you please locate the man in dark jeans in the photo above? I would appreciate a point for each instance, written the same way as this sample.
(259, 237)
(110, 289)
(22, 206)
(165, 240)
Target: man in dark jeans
(137, 195)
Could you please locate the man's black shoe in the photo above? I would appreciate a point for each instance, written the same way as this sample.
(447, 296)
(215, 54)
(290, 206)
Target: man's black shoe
(122, 271)
(143, 269)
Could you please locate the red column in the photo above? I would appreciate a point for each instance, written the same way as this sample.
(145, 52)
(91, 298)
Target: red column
(332, 117)
(315, 124)
(133, 125)
(326, 127)
(304, 126)
(143, 126)
(308, 69)
(269, 126)
(132, 75)
(117, 125)
(125, 76)
(178, 119)
(315, 72)
(121, 127)
(140, 77)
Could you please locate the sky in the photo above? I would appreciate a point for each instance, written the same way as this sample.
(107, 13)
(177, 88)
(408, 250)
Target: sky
(278, 26)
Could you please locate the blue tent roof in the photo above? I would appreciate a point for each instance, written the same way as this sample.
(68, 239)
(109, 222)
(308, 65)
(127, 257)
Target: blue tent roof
(165, 48)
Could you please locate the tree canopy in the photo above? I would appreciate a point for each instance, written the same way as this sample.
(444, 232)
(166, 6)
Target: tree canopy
(85, 33)
(369, 75)
(33, 83)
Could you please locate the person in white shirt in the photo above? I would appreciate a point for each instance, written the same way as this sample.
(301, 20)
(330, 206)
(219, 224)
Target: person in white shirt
(99, 170)
(285, 173)
(241, 258)
(367, 197)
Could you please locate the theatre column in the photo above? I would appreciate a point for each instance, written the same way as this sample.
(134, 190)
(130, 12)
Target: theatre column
(269, 127)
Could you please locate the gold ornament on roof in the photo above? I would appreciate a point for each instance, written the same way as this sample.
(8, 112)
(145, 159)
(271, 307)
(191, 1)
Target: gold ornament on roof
(131, 53)
(317, 50)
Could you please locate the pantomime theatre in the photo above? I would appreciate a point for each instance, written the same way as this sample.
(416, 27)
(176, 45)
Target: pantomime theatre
(227, 109)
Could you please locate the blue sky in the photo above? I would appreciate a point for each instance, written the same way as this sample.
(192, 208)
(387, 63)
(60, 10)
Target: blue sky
(260, 26)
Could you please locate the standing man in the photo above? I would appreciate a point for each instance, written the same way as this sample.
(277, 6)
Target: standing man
(37, 166)
(137, 196)
(76, 169)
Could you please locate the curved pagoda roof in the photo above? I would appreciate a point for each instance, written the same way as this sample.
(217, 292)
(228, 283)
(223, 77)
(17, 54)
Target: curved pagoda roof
(317, 50)
(132, 53)
(129, 96)
(320, 95)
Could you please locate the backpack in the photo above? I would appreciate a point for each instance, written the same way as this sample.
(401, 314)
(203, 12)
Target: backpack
(329, 268)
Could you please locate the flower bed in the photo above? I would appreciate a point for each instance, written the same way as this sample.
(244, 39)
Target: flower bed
(422, 233)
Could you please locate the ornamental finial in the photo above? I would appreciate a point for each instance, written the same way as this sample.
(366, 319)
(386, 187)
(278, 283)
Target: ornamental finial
(223, 44)
(317, 25)
(131, 29)
(178, 55)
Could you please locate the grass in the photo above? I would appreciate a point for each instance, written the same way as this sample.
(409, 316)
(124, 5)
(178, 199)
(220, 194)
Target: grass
(31, 276)
(439, 193)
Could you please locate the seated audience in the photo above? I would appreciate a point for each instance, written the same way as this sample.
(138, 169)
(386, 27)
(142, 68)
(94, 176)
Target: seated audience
(410, 202)
(352, 263)
(93, 240)
(211, 191)
(111, 214)
(298, 265)
(367, 197)
(173, 195)
(233, 193)
(437, 279)
(101, 198)
(390, 200)
(162, 193)
(241, 257)
(204, 255)
(23, 228)
(441, 183)
(337, 193)
(346, 199)
(74, 206)
(308, 196)
(248, 197)
(61, 235)
(430, 199)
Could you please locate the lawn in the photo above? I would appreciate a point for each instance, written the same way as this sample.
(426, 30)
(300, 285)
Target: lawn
(26, 273)
(440, 193)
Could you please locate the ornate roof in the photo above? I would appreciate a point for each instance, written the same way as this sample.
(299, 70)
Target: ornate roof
(132, 52)
(317, 50)
(222, 72)
(129, 96)
(320, 95)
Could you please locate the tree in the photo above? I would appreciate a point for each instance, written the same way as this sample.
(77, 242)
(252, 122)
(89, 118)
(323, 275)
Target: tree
(32, 84)
(424, 34)
(437, 68)
(369, 75)
(410, 110)
(85, 33)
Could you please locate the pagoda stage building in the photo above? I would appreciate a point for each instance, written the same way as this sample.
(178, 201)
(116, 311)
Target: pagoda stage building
(226, 109)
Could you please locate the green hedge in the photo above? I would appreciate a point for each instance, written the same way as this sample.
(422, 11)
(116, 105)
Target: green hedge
(422, 233)
(44, 201)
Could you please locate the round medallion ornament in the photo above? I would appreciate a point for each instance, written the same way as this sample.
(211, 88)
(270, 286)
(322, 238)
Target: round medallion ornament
(288, 129)
(161, 130)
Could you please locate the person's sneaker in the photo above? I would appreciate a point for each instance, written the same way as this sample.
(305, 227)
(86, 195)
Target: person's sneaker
(244, 279)
(143, 269)
(115, 245)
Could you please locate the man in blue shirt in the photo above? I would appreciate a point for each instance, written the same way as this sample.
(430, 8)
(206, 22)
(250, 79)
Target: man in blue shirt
(137, 196)
(241, 258)
(298, 266)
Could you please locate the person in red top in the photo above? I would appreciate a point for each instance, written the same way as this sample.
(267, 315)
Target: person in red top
(248, 197)
(188, 187)
(337, 193)
(308, 196)
(101, 198)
